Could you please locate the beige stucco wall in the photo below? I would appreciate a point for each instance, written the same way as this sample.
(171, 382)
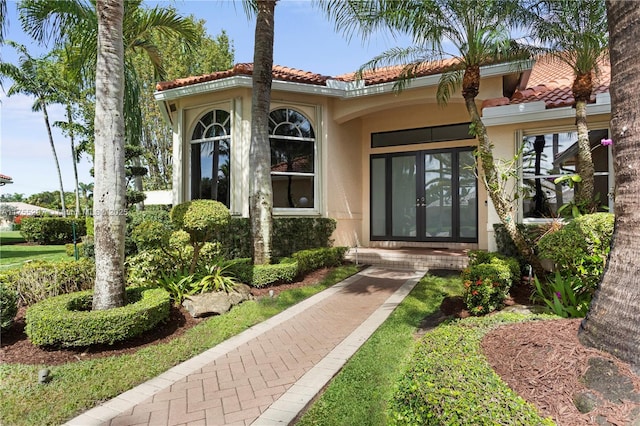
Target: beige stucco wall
(343, 129)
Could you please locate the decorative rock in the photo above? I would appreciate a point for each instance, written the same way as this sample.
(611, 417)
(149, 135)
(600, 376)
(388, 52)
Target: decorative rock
(586, 401)
(219, 302)
(603, 376)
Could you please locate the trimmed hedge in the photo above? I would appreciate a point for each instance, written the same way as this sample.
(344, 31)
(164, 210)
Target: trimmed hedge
(52, 230)
(293, 234)
(487, 281)
(67, 321)
(70, 250)
(450, 382)
(581, 247)
(39, 280)
(8, 307)
(288, 268)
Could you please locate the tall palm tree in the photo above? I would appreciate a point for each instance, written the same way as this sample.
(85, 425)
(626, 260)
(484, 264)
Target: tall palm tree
(74, 24)
(613, 321)
(479, 33)
(584, 47)
(3, 19)
(261, 195)
(30, 77)
(110, 191)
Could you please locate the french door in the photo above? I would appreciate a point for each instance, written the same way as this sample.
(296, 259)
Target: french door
(424, 196)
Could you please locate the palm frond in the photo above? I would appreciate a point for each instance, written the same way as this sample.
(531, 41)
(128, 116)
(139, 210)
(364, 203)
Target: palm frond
(450, 82)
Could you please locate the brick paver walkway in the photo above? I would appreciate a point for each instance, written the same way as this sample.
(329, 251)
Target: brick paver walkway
(269, 373)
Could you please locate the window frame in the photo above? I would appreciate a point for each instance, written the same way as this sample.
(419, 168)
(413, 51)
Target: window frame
(315, 175)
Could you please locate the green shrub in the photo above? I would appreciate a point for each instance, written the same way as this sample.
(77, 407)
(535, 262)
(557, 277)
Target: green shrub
(67, 321)
(151, 234)
(8, 306)
(506, 246)
(39, 280)
(580, 248)
(88, 221)
(450, 382)
(52, 230)
(486, 286)
(264, 275)
(291, 234)
(136, 217)
(477, 257)
(312, 259)
(69, 249)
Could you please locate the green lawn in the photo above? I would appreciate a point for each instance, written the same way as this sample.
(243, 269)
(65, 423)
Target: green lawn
(13, 254)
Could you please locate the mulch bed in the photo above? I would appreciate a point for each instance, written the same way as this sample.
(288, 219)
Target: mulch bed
(15, 347)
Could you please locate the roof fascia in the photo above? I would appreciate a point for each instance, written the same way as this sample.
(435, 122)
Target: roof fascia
(334, 88)
(536, 111)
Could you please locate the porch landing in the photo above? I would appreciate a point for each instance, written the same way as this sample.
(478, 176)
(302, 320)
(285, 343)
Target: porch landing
(410, 257)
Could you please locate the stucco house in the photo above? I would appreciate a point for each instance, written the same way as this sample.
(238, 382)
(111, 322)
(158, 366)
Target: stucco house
(394, 170)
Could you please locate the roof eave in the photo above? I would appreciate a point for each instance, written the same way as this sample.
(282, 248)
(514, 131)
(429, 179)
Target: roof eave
(537, 111)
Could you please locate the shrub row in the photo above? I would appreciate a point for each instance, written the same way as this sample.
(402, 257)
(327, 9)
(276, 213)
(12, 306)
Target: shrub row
(288, 268)
(487, 281)
(67, 321)
(52, 230)
(39, 280)
(294, 234)
(449, 381)
(8, 306)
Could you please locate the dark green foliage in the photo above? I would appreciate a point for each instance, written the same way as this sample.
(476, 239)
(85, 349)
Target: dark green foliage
(264, 275)
(564, 295)
(580, 248)
(67, 321)
(37, 281)
(487, 281)
(292, 234)
(8, 306)
(51, 230)
(506, 246)
(136, 217)
(70, 250)
(150, 234)
(312, 259)
(449, 381)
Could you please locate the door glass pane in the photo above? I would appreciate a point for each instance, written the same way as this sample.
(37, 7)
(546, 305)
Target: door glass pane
(468, 196)
(403, 196)
(378, 199)
(437, 194)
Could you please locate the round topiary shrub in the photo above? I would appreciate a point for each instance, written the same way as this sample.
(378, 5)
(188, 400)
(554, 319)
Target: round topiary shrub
(8, 306)
(68, 321)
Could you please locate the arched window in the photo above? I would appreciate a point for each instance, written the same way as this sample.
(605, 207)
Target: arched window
(292, 159)
(210, 143)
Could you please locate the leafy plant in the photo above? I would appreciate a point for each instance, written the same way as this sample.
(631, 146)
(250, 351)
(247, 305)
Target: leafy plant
(565, 295)
(178, 285)
(216, 279)
(8, 306)
(487, 284)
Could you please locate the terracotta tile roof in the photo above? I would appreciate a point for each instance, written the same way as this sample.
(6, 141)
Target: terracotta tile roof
(5, 177)
(389, 74)
(279, 73)
(550, 81)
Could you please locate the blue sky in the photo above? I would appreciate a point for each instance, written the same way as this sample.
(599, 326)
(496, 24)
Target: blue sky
(304, 39)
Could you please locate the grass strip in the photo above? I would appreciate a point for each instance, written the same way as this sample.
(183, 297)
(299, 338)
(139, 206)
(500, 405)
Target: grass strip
(13, 255)
(76, 387)
(358, 395)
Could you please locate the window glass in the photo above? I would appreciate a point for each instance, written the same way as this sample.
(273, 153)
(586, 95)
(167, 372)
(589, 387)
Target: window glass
(210, 157)
(547, 157)
(292, 141)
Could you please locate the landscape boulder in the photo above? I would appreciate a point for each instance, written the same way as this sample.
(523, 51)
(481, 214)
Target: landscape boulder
(217, 302)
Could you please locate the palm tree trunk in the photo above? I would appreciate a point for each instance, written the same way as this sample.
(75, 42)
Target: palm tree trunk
(110, 188)
(613, 321)
(261, 198)
(55, 156)
(585, 162)
(503, 206)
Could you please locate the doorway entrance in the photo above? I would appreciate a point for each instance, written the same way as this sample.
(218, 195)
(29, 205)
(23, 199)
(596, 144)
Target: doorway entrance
(424, 196)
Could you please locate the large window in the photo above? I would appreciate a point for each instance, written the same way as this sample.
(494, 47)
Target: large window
(292, 159)
(549, 156)
(210, 143)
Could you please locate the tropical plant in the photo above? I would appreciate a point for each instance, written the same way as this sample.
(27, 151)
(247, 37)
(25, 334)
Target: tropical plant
(613, 321)
(217, 278)
(261, 191)
(584, 49)
(564, 295)
(30, 77)
(479, 33)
